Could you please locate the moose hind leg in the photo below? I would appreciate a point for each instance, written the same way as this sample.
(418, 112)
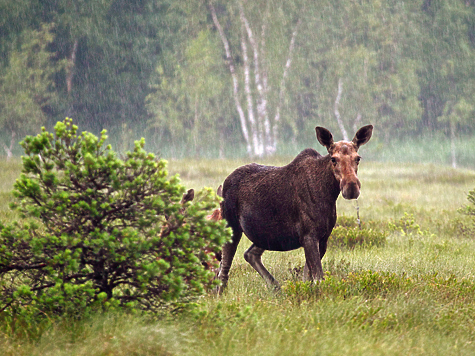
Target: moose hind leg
(228, 252)
(253, 257)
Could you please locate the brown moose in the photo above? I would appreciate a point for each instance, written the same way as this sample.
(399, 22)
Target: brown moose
(285, 208)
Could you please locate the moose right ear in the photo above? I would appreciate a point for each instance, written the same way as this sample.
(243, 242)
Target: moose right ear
(324, 136)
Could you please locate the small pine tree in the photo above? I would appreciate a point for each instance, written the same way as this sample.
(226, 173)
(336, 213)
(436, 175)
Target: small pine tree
(99, 231)
(469, 209)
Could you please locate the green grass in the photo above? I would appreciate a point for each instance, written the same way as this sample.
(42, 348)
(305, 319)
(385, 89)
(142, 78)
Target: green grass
(412, 295)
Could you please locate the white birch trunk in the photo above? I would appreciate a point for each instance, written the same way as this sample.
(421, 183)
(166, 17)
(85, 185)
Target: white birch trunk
(452, 144)
(262, 137)
(265, 91)
(229, 60)
(8, 150)
(70, 68)
(357, 122)
(337, 113)
(261, 98)
(256, 140)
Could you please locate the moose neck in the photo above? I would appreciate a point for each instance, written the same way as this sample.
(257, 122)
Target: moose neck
(329, 185)
(321, 184)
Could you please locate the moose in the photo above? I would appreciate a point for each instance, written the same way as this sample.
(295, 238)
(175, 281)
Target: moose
(285, 208)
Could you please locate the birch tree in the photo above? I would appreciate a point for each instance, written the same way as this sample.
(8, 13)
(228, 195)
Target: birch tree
(257, 102)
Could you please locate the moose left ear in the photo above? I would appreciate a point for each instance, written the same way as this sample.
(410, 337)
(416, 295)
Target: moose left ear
(363, 135)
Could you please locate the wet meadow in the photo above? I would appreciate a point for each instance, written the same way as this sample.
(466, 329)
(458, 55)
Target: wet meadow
(401, 283)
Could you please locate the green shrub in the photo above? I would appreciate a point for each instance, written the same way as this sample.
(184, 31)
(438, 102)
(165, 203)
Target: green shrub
(468, 229)
(469, 209)
(102, 232)
(347, 234)
(407, 226)
(370, 284)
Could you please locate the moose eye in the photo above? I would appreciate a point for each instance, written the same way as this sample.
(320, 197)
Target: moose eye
(333, 160)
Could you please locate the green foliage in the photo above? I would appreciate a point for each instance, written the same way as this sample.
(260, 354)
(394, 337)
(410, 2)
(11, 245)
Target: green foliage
(363, 283)
(190, 103)
(379, 284)
(102, 232)
(368, 48)
(416, 311)
(347, 234)
(467, 229)
(407, 226)
(27, 89)
(159, 66)
(469, 209)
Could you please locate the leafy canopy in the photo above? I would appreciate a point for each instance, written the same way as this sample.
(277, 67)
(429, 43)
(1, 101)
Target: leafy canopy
(102, 231)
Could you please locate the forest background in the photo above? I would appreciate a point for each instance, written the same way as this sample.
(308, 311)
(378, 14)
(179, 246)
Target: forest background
(243, 78)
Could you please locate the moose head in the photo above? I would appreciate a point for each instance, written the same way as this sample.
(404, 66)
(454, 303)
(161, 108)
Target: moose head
(344, 158)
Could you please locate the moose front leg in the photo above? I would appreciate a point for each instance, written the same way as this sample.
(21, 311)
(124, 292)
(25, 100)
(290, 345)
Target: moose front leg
(322, 249)
(313, 265)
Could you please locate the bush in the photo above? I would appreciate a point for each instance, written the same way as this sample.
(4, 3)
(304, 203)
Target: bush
(347, 234)
(469, 210)
(407, 226)
(99, 231)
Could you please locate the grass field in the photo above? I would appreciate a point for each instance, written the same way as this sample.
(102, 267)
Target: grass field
(415, 295)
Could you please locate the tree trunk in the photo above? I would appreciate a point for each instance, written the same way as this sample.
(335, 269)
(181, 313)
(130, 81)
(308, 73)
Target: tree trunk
(230, 63)
(337, 113)
(357, 122)
(8, 150)
(262, 123)
(262, 137)
(452, 144)
(70, 68)
(256, 140)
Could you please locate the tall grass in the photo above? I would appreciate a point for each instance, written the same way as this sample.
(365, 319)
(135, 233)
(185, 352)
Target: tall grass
(413, 295)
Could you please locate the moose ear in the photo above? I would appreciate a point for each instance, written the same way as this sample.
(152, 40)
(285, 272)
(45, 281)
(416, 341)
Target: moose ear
(363, 135)
(188, 196)
(324, 136)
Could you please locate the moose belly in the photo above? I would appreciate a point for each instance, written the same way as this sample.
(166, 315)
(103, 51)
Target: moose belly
(281, 243)
(271, 236)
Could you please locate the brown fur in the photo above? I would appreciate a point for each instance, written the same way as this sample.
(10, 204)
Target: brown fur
(285, 208)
